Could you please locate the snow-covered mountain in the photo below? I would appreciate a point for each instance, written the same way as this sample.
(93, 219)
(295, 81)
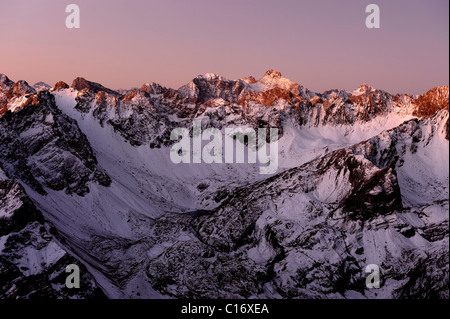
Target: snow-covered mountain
(41, 86)
(362, 179)
(32, 261)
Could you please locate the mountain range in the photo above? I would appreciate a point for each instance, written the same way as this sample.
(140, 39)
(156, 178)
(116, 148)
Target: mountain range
(86, 179)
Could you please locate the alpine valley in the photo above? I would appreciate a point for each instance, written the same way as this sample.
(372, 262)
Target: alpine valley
(86, 178)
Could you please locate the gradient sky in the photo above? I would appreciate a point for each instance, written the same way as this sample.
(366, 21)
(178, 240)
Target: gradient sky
(322, 44)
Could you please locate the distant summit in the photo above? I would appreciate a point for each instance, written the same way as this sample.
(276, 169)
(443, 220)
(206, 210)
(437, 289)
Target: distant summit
(41, 86)
(273, 73)
(81, 83)
(364, 88)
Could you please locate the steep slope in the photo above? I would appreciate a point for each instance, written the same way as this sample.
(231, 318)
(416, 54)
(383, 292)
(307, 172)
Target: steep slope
(417, 150)
(429, 103)
(309, 232)
(361, 179)
(81, 83)
(42, 147)
(32, 262)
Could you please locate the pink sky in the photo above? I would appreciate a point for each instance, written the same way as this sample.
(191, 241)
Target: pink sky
(320, 44)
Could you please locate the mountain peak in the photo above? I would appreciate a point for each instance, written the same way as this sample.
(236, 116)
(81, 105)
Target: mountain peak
(5, 80)
(60, 85)
(363, 88)
(153, 88)
(434, 100)
(273, 74)
(21, 88)
(41, 86)
(81, 83)
(210, 76)
(249, 79)
(273, 79)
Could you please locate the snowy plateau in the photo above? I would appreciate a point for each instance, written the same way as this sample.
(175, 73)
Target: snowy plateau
(86, 178)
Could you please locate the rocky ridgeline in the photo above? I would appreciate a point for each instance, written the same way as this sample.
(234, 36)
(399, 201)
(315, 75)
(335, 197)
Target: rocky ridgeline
(145, 116)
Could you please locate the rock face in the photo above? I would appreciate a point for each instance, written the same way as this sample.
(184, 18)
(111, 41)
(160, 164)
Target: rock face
(32, 263)
(43, 147)
(81, 83)
(60, 85)
(41, 86)
(21, 88)
(362, 179)
(291, 233)
(434, 100)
